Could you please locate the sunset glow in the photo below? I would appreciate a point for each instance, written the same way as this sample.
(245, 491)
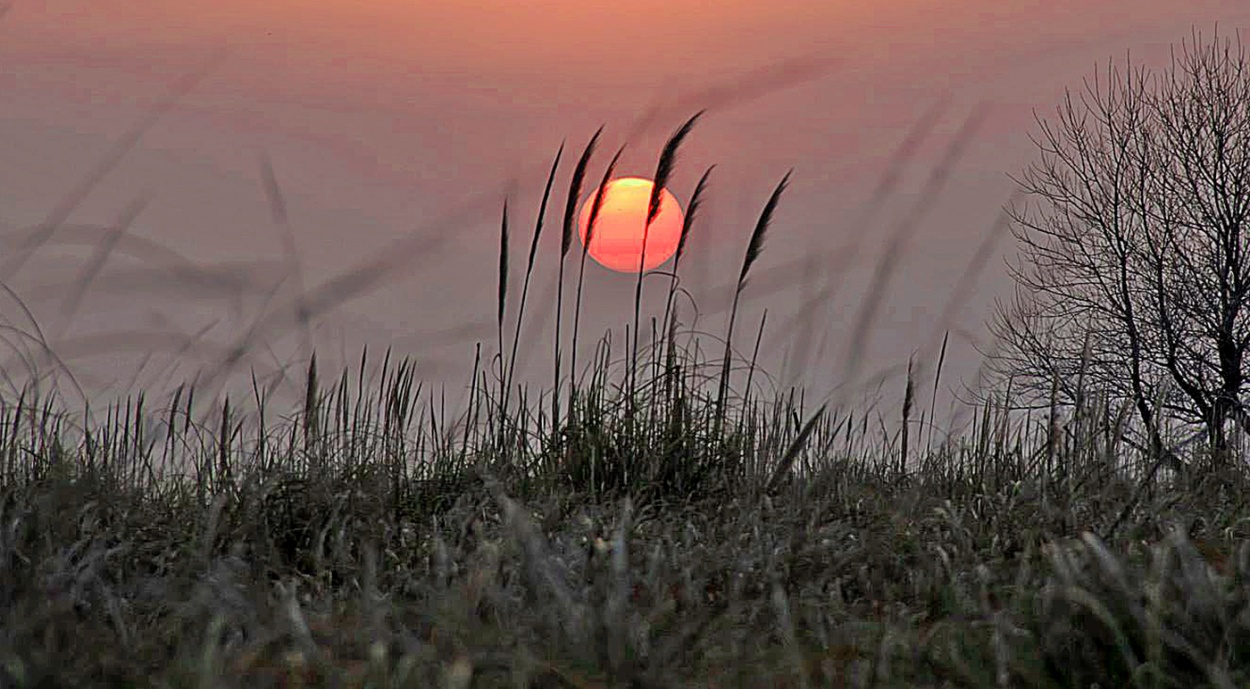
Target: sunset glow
(617, 242)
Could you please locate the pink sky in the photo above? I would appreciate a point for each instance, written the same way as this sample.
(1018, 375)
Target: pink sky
(383, 117)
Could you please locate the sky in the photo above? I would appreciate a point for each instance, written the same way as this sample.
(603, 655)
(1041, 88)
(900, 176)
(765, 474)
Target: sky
(395, 131)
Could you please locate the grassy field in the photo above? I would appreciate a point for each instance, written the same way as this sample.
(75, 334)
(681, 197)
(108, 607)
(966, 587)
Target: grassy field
(655, 523)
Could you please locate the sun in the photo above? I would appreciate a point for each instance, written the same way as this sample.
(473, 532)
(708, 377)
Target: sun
(617, 242)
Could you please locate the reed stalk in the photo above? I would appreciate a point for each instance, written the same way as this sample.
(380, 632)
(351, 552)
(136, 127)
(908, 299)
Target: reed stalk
(566, 241)
(663, 170)
(754, 247)
(581, 275)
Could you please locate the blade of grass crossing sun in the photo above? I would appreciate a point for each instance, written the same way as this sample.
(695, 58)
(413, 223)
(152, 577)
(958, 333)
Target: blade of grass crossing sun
(590, 233)
(668, 157)
(566, 240)
(663, 169)
(575, 192)
(600, 193)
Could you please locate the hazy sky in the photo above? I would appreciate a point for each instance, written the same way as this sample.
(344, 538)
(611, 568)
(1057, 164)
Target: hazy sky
(387, 120)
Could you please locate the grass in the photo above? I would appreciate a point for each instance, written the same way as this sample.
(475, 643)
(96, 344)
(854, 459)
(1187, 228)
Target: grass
(712, 539)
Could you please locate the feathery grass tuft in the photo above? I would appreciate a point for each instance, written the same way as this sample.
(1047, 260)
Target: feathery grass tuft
(600, 192)
(575, 192)
(696, 200)
(529, 269)
(754, 247)
(668, 158)
(692, 211)
(663, 169)
(566, 240)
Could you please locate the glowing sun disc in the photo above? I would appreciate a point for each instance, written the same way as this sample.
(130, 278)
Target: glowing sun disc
(619, 230)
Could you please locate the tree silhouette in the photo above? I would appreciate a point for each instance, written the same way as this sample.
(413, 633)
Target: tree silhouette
(1134, 271)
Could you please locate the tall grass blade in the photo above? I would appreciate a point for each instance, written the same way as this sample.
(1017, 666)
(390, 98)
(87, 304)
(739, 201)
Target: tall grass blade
(529, 269)
(503, 267)
(668, 158)
(503, 294)
(908, 397)
(566, 240)
(696, 201)
(755, 353)
(312, 414)
(575, 191)
(937, 379)
(754, 247)
(590, 233)
(663, 170)
(597, 207)
(792, 452)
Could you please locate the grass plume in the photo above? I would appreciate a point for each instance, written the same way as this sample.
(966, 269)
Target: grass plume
(663, 170)
(597, 205)
(566, 241)
(754, 247)
(692, 212)
(529, 269)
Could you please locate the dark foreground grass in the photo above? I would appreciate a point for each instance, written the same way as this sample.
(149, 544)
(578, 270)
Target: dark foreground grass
(315, 553)
(661, 532)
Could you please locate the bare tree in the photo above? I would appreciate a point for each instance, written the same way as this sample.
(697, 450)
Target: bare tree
(1134, 272)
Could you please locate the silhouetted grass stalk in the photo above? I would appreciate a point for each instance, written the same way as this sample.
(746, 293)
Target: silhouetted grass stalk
(566, 241)
(529, 269)
(754, 247)
(600, 192)
(908, 397)
(692, 211)
(502, 413)
(663, 170)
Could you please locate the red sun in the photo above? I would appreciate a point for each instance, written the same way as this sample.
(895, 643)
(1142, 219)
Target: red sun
(617, 242)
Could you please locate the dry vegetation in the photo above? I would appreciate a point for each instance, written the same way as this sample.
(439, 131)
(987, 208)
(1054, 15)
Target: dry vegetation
(641, 528)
